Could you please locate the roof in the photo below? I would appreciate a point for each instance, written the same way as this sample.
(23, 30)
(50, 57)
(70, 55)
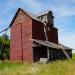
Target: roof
(51, 44)
(29, 14)
(43, 13)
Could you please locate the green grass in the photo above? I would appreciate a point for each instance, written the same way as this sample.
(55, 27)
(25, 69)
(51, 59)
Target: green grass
(73, 55)
(55, 68)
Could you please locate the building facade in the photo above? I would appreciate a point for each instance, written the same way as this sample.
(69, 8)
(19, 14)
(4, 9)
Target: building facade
(35, 37)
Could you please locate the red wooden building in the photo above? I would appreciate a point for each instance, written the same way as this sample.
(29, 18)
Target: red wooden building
(34, 37)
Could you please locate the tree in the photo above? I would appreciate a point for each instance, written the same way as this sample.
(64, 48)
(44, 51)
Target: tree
(4, 46)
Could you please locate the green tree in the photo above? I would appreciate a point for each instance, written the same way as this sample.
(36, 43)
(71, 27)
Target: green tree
(4, 47)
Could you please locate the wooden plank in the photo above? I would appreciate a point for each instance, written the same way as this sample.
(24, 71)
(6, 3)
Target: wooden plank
(67, 55)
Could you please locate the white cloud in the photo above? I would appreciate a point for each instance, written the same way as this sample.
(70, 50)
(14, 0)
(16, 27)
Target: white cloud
(32, 5)
(64, 11)
(59, 7)
(68, 40)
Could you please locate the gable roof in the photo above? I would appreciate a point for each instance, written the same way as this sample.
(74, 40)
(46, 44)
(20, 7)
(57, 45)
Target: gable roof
(29, 14)
(43, 13)
(51, 44)
(35, 17)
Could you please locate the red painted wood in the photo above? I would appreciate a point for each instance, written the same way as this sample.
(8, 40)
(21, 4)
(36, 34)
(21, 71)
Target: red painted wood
(22, 31)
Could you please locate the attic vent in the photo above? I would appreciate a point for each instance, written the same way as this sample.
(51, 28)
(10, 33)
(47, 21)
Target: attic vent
(41, 18)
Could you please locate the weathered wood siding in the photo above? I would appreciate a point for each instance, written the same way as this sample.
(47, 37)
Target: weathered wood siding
(52, 34)
(21, 35)
(38, 30)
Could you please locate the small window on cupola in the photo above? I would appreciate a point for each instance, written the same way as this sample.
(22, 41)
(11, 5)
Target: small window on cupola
(41, 17)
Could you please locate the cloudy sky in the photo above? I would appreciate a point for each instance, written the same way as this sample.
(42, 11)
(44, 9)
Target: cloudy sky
(64, 12)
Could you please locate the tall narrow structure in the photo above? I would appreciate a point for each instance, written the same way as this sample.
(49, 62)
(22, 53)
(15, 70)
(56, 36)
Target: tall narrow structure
(48, 18)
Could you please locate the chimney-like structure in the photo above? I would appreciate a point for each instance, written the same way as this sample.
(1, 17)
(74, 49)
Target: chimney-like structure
(51, 31)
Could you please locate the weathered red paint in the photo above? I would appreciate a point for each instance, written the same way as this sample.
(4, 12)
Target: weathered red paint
(15, 43)
(52, 35)
(20, 43)
(38, 30)
(23, 30)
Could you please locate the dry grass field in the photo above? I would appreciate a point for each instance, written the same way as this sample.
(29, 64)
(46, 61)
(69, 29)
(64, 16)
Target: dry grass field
(58, 67)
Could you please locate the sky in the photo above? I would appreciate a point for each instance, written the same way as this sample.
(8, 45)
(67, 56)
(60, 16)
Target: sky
(63, 10)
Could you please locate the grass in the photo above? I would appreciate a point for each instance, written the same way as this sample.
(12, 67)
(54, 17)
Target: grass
(55, 68)
(73, 56)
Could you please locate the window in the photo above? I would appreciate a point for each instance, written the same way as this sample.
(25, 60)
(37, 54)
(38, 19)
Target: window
(41, 17)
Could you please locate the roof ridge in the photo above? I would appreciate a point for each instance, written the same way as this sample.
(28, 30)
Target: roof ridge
(43, 12)
(30, 14)
(26, 12)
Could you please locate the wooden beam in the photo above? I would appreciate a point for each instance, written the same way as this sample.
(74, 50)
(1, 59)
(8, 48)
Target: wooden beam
(67, 55)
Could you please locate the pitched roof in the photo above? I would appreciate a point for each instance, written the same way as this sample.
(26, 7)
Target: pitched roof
(29, 14)
(52, 45)
(43, 13)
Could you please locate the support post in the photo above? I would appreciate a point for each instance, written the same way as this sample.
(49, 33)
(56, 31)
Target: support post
(68, 57)
(45, 31)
